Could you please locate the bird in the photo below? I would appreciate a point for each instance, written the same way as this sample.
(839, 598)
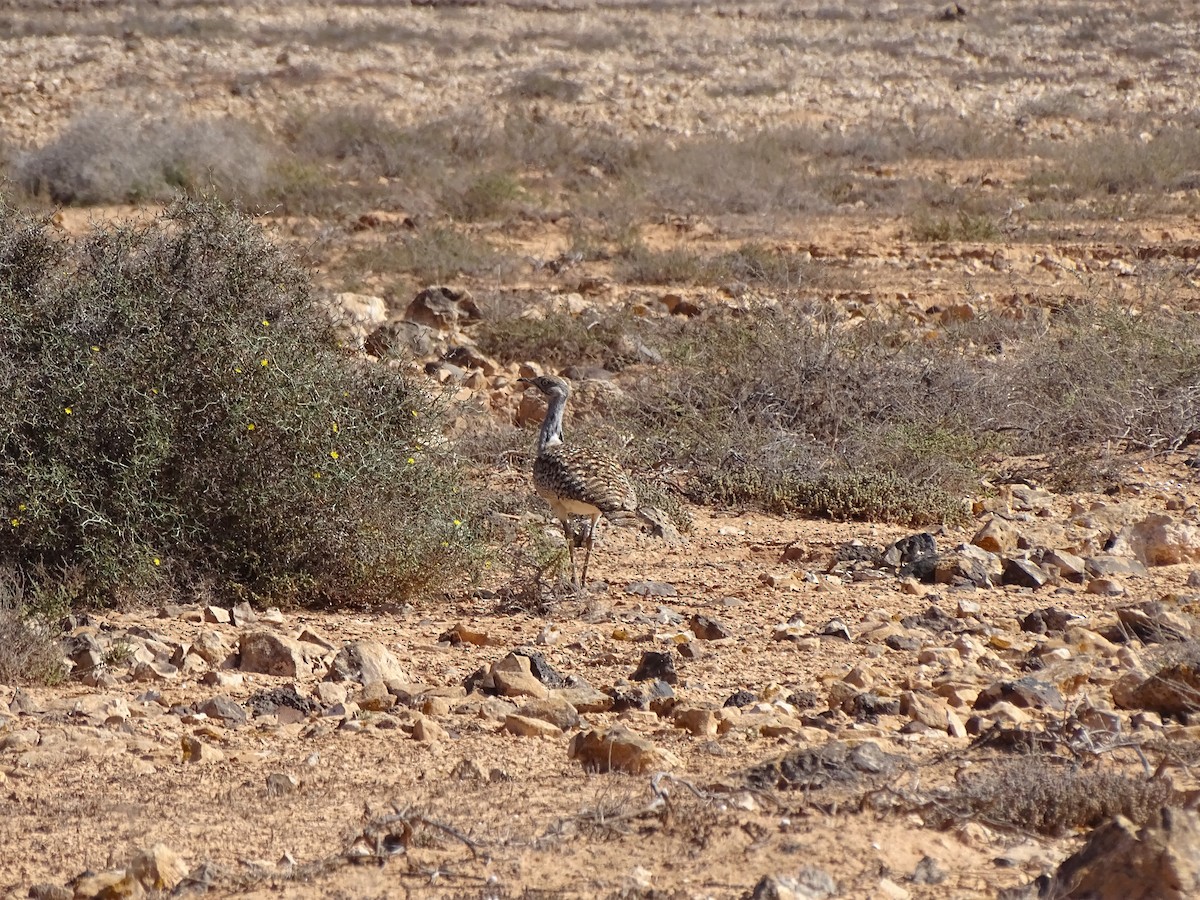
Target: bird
(576, 480)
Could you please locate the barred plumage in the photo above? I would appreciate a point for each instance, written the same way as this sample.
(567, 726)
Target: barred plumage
(576, 480)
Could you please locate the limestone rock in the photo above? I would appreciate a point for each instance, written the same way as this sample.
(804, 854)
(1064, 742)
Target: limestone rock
(555, 710)
(224, 709)
(364, 662)
(197, 751)
(513, 677)
(527, 726)
(996, 536)
(158, 868)
(274, 654)
(1159, 540)
(1160, 861)
(442, 307)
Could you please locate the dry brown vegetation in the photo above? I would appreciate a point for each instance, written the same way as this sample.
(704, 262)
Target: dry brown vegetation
(840, 273)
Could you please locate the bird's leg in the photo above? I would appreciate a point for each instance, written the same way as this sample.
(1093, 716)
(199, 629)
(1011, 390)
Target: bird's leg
(570, 536)
(588, 555)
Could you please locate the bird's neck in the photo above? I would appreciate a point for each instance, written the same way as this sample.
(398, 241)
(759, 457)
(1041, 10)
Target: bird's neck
(551, 433)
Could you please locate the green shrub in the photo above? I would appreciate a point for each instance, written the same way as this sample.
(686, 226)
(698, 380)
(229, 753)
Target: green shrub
(177, 413)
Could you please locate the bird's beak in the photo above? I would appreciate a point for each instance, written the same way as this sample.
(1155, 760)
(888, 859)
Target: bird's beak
(525, 380)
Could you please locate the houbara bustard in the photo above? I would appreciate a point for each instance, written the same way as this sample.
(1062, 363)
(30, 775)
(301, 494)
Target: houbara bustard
(576, 481)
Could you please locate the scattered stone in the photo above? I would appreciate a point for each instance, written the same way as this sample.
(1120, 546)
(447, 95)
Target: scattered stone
(224, 709)
(1105, 587)
(996, 536)
(741, 698)
(908, 550)
(210, 646)
(1159, 540)
(364, 662)
(583, 697)
(274, 654)
(196, 751)
(1119, 861)
(428, 731)
(656, 665)
(47, 891)
(1070, 567)
(836, 628)
(1172, 691)
(512, 677)
(243, 614)
(1050, 620)
(375, 697)
(541, 669)
(158, 868)
(218, 615)
(1025, 693)
(618, 749)
(1107, 566)
(558, 712)
(526, 726)
(1024, 573)
(971, 564)
(1155, 623)
(707, 629)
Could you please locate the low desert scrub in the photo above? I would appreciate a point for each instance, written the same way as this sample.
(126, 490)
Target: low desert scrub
(177, 414)
(752, 263)
(110, 156)
(435, 255)
(1120, 164)
(29, 630)
(1040, 796)
(961, 226)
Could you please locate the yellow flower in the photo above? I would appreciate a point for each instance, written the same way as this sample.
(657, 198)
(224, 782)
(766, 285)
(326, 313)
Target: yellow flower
(250, 427)
(457, 523)
(157, 561)
(415, 413)
(266, 323)
(95, 349)
(67, 410)
(445, 543)
(333, 453)
(21, 508)
(411, 461)
(317, 475)
(16, 522)
(237, 370)
(265, 362)
(335, 428)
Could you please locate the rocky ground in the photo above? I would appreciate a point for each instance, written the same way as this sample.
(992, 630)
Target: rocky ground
(760, 707)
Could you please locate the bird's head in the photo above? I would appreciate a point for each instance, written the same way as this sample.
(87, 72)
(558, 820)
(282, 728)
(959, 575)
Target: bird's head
(550, 385)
